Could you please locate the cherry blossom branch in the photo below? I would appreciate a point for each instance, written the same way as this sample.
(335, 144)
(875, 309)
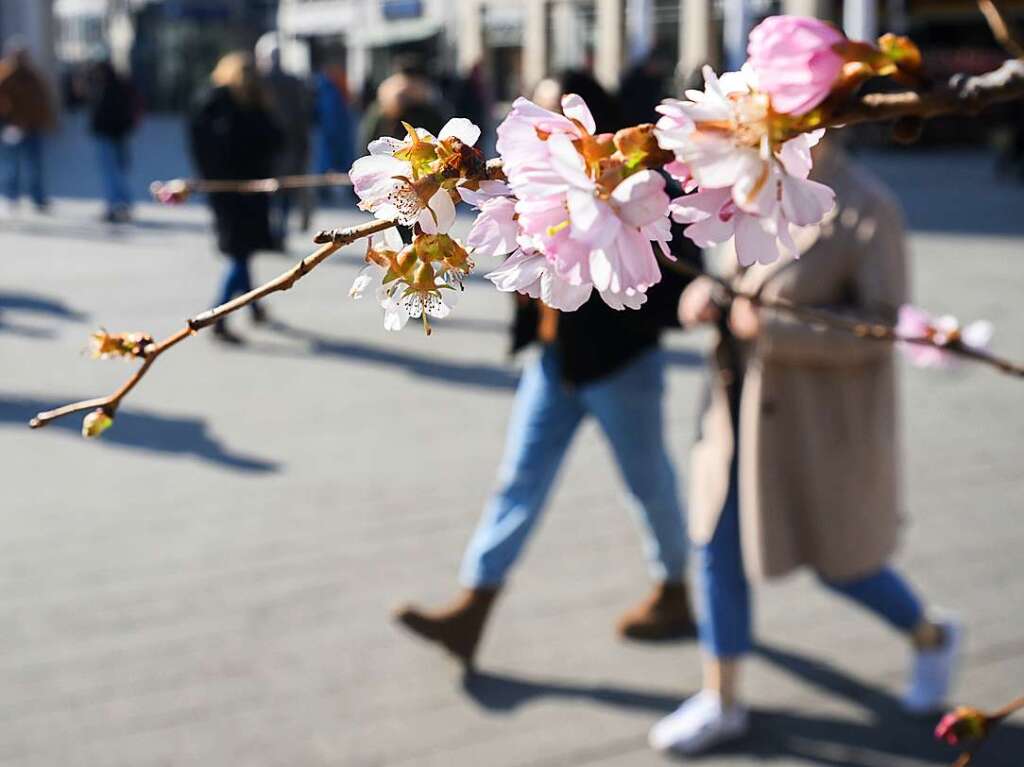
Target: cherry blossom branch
(1001, 27)
(868, 330)
(330, 242)
(961, 94)
(178, 189)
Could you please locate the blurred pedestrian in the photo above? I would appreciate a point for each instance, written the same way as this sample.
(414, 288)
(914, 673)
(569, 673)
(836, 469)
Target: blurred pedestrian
(291, 103)
(113, 116)
(595, 362)
(408, 95)
(798, 463)
(642, 89)
(335, 123)
(471, 97)
(234, 137)
(26, 114)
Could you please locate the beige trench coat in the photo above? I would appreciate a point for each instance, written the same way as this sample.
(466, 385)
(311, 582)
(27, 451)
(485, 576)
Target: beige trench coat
(819, 460)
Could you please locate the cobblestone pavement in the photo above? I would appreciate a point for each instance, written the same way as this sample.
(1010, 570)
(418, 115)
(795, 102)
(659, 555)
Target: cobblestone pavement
(211, 583)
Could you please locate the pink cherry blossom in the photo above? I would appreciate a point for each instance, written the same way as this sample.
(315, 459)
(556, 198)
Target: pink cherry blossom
(714, 218)
(915, 323)
(795, 61)
(592, 232)
(750, 188)
(530, 273)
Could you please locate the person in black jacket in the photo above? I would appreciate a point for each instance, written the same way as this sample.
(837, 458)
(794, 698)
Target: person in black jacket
(233, 136)
(112, 119)
(593, 362)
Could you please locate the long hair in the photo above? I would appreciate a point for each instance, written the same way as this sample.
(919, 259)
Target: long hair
(236, 72)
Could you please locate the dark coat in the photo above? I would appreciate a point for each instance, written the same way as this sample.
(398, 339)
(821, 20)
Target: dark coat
(25, 99)
(596, 340)
(230, 140)
(114, 111)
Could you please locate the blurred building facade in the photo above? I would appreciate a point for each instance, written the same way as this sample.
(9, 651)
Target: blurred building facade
(32, 21)
(607, 36)
(365, 35)
(169, 46)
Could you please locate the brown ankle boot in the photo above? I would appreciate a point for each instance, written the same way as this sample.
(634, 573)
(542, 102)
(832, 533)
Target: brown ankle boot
(458, 627)
(665, 614)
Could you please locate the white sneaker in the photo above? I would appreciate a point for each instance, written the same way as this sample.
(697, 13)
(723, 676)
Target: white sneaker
(933, 671)
(698, 725)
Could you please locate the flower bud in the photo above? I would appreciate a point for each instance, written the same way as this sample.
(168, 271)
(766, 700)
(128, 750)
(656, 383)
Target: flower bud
(104, 345)
(963, 726)
(172, 192)
(96, 422)
(783, 45)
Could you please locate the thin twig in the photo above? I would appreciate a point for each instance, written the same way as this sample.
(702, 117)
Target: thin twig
(871, 331)
(331, 242)
(253, 186)
(1001, 27)
(1010, 708)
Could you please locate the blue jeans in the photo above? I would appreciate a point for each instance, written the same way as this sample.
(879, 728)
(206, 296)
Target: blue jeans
(114, 162)
(237, 280)
(725, 594)
(28, 150)
(628, 406)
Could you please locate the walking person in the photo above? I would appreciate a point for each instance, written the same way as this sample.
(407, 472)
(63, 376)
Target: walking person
(114, 114)
(595, 362)
(26, 114)
(409, 95)
(335, 123)
(234, 137)
(291, 103)
(798, 463)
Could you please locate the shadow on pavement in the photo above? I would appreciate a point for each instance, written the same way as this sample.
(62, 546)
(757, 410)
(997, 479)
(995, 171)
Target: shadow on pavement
(480, 375)
(501, 692)
(887, 736)
(483, 376)
(142, 431)
(33, 304)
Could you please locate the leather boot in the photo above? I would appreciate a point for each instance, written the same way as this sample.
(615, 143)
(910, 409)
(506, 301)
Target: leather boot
(458, 627)
(665, 614)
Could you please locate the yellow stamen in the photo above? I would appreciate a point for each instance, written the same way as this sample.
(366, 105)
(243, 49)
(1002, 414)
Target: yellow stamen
(553, 230)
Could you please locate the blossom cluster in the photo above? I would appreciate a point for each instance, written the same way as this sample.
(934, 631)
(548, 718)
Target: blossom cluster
(572, 211)
(414, 182)
(939, 334)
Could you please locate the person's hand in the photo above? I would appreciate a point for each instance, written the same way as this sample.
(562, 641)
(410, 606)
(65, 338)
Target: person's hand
(12, 134)
(696, 304)
(744, 319)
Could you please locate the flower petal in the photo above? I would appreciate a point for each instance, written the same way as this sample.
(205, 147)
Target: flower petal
(754, 245)
(443, 208)
(462, 129)
(575, 108)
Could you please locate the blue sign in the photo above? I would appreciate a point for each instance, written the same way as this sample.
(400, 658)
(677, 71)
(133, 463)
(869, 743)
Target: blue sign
(401, 9)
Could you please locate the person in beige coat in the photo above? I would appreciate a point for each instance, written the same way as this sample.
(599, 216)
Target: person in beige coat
(797, 463)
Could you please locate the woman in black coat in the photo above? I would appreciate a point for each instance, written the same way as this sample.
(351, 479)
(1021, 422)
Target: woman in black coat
(233, 136)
